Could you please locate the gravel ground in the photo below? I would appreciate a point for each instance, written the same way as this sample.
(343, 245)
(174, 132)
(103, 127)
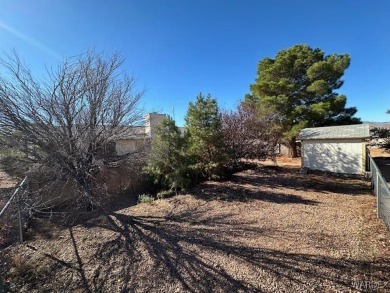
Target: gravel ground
(6, 181)
(271, 229)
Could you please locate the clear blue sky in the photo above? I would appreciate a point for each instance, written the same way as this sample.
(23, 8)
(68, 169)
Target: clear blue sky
(178, 48)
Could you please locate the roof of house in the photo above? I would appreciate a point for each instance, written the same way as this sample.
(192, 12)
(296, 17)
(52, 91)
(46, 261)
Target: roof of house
(336, 132)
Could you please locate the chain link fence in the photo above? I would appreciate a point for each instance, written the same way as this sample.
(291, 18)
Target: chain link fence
(382, 192)
(12, 214)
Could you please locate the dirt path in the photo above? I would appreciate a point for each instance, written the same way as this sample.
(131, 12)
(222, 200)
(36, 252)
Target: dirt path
(266, 230)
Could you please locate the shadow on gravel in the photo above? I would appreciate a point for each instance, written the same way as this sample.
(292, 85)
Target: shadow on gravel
(49, 224)
(266, 183)
(235, 192)
(189, 251)
(283, 177)
(179, 252)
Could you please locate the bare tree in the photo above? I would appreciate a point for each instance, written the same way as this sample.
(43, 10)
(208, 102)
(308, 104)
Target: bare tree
(249, 135)
(65, 121)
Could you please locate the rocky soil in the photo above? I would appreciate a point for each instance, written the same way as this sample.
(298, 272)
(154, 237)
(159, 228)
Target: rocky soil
(269, 229)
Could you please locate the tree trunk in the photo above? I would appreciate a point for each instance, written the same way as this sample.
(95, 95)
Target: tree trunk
(292, 148)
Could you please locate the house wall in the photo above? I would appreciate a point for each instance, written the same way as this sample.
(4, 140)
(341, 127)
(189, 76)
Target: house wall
(126, 146)
(136, 144)
(346, 156)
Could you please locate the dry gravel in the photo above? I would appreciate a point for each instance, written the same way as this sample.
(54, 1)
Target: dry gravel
(270, 229)
(6, 181)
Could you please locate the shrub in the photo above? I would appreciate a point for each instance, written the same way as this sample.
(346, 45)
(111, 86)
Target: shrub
(167, 164)
(165, 194)
(15, 166)
(145, 198)
(206, 149)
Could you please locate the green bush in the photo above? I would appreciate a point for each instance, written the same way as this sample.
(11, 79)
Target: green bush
(206, 150)
(145, 198)
(165, 193)
(167, 167)
(176, 162)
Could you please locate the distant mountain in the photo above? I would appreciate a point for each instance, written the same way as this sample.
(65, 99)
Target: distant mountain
(378, 124)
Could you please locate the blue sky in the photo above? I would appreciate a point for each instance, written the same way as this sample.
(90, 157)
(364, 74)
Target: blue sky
(178, 48)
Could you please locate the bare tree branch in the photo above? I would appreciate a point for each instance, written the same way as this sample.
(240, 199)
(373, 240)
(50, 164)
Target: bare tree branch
(65, 121)
(249, 134)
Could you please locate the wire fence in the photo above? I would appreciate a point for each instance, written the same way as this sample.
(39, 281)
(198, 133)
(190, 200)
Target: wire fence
(382, 193)
(11, 214)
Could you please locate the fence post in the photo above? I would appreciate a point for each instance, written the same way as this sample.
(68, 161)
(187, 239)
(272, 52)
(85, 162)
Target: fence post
(371, 172)
(377, 193)
(19, 219)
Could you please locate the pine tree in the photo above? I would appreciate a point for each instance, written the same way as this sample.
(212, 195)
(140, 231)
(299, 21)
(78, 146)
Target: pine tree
(205, 143)
(299, 85)
(166, 162)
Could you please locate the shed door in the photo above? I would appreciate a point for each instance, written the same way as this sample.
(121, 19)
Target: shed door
(334, 156)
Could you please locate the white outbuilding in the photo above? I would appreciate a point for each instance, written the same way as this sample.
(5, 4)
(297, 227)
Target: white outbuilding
(337, 149)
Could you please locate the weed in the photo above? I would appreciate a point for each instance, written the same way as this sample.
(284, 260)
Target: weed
(165, 194)
(145, 198)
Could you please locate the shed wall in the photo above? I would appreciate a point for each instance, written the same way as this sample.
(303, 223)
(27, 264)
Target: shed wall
(339, 156)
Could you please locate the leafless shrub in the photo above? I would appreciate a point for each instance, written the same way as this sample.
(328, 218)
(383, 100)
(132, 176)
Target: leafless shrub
(64, 123)
(249, 134)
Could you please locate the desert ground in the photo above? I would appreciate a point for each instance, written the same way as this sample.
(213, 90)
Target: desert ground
(267, 229)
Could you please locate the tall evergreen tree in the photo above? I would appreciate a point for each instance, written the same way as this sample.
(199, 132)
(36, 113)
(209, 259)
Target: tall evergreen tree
(205, 143)
(166, 162)
(299, 85)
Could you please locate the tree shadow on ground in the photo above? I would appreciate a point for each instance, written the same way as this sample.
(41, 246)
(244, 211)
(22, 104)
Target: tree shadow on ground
(234, 191)
(184, 254)
(189, 250)
(262, 183)
(288, 177)
(48, 224)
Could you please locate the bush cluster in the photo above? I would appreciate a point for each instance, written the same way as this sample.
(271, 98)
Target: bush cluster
(210, 147)
(178, 160)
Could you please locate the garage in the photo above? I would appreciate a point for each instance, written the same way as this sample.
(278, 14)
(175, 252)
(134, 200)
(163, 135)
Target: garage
(337, 149)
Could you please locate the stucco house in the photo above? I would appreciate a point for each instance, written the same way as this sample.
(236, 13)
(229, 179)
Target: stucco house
(337, 149)
(136, 138)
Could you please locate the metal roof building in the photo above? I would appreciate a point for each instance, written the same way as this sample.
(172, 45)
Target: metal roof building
(338, 149)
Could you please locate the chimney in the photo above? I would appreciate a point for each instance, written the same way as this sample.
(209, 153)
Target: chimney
(151, 121)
